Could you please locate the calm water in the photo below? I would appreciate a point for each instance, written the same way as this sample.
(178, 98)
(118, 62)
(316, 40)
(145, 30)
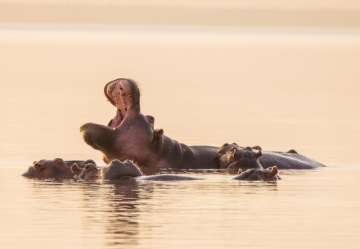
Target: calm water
(278, 88)
(307, 209)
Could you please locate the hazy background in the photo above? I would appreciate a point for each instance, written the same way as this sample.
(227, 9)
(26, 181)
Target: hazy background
(279, 74)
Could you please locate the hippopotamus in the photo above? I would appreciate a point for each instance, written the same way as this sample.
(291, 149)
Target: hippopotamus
(259, 174)
(245, 161)
(118, 170)
(233, 157)
(131, 135)
(54, 169)
(59, 169)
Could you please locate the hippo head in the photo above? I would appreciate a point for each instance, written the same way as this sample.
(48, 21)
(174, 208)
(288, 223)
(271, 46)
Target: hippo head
(49, 169)
(88, 172)
(226, 154)
(121, 169)
(131, 135)
(269, 174)
(233, 157)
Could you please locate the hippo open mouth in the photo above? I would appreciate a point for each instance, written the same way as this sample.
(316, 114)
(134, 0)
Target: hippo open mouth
(124, 94)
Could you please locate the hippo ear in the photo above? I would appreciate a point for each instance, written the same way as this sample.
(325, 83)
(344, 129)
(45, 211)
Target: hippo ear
(151, 119)
(259, 151)
(157, 135)
(256, 147)
(223, 148)
(274, 171)
(75, 169)
(232, 154)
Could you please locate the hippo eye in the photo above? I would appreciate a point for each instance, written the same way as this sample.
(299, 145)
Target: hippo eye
(39, 167)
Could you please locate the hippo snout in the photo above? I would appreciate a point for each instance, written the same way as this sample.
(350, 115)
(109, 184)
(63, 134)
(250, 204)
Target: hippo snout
(86, 127)
(87, 134)
(98, 136)
(30, 173)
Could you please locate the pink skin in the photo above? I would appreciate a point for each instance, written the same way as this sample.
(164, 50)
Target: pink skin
(119, 94)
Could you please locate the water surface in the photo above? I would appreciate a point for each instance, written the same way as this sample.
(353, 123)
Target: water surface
(278, 87)
(307, 209)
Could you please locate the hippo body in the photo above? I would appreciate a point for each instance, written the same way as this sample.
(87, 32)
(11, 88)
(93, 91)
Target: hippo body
(234, 157)
(172, 154)
(131, 135)
(286, 160)
(152, 156)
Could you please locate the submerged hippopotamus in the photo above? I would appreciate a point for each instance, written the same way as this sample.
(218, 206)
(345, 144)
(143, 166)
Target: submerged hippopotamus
(118, 170)
(259, 174)
(54, 169)
(131, 135)
(233, 157)
(245, 161)
(59, 169)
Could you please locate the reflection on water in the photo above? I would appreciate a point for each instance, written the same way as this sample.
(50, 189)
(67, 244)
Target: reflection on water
(277, 89)
(307, 209)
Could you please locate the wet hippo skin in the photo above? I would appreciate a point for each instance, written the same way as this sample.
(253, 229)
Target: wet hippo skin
(57, 169)
(122, 170)
(131, 135)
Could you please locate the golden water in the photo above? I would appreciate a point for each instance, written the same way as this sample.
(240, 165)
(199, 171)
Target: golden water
(276, 88)
(307, 209)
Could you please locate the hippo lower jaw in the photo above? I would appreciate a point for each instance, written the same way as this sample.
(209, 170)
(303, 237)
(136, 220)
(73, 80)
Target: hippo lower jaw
(87, 138)
(99, 137)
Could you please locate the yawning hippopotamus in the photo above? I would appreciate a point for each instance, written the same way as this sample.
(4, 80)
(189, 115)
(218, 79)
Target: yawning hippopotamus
(131, 135)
